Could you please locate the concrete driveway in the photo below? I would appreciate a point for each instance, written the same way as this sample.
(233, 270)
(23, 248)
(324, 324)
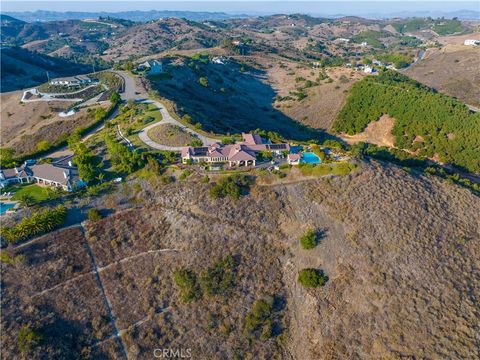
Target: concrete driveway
(131, 91)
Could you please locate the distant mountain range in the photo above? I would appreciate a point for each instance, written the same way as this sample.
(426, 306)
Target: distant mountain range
(138, 15)
(42, 15)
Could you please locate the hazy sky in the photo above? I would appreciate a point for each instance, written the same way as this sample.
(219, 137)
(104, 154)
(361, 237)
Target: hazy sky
(241, 6)
(246, 6)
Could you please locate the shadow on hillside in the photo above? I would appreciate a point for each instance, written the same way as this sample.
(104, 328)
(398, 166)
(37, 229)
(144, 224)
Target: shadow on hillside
(234, 101)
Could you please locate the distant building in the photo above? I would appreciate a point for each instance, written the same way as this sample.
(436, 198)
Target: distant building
(61, 174)
(345, 40)
(368, 70)
(152, 67)
(220, 60)
(71, 81)
(364, 44)
(471, 42)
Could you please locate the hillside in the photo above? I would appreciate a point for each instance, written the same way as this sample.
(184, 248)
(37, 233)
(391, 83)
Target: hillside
(426, 123)
(391, 293)
(157, 36)
(21, 68)
(452, 69)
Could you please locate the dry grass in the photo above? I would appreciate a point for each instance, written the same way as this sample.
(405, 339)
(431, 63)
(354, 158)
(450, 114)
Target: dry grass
(24, 125)
(452, 69)
(171, 135)
(401, 252)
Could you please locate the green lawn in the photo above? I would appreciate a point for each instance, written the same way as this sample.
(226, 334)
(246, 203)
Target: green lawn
(153, 111)
(37, 193)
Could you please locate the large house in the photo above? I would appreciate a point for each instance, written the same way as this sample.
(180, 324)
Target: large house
(71, 81)
(61, 174)
(240, 154)
(152, 67)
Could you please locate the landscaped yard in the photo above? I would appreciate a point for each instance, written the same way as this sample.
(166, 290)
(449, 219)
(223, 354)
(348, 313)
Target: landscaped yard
(170, 135)
(35, 192)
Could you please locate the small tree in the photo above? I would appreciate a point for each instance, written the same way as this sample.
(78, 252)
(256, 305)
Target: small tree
(115, 98)
(93, 215)
(203, 81)
(186, 280)
(312, 278)
(28, 338)
(196, 142)
(43, 145)
(309, 239)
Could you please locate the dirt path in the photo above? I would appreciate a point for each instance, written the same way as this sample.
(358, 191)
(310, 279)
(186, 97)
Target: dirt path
(113, 319)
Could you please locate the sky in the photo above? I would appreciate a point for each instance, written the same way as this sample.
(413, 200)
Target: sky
(246, 6)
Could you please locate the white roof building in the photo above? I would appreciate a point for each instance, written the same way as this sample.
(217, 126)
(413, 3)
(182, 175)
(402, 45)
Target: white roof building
(471, 42)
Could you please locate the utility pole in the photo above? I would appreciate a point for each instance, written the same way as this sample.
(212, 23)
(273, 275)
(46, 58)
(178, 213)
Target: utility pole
(48, 77)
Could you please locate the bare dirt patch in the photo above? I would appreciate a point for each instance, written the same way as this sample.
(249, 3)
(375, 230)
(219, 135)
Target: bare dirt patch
(170, 135)
(377, 132)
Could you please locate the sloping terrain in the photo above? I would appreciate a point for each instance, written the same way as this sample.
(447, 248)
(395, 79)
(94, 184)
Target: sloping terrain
(453, 70)
(156, 36)
(228, 98)
(21, 68)
(401, 252)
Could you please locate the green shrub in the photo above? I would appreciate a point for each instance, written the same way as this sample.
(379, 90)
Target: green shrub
(260, 319)
(186, 280)
(28, 338)
(230, 186)
(309, 239)
(312, 278)
(93, 215)
(6, 258)
(220, 278)
(205, 179)
(196, 142)
(203, 81)
(186, 173)
(43, 145)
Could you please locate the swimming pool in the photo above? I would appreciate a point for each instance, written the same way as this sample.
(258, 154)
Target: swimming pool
(4, 207)
(310, 158)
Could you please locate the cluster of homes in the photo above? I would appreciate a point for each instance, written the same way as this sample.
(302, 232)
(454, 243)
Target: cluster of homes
(235, 155)
(60, 174)
(151, 67)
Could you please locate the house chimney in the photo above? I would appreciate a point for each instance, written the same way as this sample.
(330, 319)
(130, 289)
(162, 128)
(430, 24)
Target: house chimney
(16, 170)
(65, 174)
(70, 163)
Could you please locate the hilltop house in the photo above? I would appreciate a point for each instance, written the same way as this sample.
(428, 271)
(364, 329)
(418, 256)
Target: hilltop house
(61, 174)
(71, 81)
(152, 67)
(240, 154)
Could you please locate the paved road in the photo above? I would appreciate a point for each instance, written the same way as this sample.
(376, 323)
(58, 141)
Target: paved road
(131, 92)
(168, 119)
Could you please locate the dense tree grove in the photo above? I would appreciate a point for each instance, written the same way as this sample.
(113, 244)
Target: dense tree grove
(426, 122)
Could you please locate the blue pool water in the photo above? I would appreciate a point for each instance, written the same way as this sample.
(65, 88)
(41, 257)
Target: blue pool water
(310, 158)
(4, 207)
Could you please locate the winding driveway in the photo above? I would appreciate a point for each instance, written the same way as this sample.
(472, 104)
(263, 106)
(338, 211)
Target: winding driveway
(168, 119)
